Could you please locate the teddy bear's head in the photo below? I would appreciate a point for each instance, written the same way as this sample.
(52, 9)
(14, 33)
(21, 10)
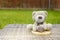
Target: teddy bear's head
(39, 16)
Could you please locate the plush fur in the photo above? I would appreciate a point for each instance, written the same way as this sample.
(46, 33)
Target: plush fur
(39, 25)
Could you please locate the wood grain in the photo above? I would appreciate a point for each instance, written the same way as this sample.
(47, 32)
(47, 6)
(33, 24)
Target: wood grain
(19, 32)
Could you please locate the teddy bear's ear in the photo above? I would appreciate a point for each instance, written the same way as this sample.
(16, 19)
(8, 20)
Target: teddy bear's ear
(46, 13)
(33, 13)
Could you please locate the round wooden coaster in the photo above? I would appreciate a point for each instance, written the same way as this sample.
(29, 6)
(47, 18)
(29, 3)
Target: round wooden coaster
(42, 33)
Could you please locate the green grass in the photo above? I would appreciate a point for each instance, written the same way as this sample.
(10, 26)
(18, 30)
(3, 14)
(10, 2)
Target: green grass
(25, 17)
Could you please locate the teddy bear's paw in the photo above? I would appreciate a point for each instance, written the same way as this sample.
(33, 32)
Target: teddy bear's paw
(29, 27)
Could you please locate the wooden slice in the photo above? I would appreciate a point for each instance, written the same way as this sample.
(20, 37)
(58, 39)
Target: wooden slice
(42, 33)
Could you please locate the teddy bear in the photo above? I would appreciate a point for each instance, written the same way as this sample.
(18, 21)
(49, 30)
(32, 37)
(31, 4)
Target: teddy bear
(39, 25)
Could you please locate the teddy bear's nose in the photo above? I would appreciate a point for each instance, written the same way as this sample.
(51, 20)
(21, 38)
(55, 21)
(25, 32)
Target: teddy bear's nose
(39, 17)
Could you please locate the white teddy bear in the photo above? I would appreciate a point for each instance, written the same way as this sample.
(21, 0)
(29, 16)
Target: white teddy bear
(39, 25)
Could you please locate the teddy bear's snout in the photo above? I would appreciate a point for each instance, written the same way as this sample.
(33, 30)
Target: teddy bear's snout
(39, 17)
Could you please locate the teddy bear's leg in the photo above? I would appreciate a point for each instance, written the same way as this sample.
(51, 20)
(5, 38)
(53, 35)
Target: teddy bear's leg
(48, 27)
(29, 27)
(40, 28)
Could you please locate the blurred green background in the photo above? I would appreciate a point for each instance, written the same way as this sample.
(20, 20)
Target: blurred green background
(25, 17)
